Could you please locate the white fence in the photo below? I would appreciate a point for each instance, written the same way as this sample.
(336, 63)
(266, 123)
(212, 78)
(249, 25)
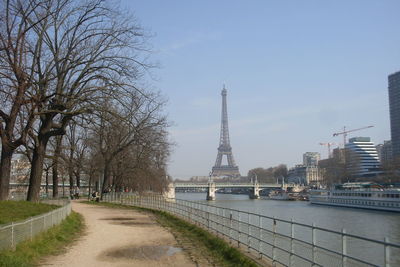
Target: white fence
(13, 233)
(282, 242)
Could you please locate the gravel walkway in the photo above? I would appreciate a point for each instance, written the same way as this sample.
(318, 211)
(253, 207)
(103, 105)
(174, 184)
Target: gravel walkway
(120, 237)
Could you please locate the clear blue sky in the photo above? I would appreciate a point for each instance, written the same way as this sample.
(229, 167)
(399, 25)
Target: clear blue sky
(296, 72)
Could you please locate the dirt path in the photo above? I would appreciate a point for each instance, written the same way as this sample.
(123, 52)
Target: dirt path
(120, 237)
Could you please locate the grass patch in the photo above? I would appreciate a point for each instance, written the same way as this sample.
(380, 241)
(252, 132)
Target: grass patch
(221, 252)
(12, 211)
(224, 254)
(28, 253)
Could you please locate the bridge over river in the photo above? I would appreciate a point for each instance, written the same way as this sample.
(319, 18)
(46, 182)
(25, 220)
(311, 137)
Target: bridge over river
(211, 187)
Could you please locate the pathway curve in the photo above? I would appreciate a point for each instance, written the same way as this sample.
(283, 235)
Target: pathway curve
(120, 237)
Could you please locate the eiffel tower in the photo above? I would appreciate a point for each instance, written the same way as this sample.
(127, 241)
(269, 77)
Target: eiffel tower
(225, 148)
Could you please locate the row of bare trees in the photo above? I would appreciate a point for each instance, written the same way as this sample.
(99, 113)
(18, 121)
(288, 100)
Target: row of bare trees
(71, 95)
(269, 175)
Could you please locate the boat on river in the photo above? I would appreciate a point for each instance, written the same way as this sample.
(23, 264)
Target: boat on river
(359, 195)
(279, 195)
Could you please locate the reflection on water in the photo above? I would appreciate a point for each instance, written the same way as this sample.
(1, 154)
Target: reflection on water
(368, 223)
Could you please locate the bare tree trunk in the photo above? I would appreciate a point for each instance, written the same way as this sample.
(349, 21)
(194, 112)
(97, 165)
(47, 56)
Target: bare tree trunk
(71, 169)
(90, 186)
(78, 178)
(47, 182)
(5, 169)
(71, 181)
(55, 180)
(63, 185)
(106, 176)
(56, 157)
(37, 169)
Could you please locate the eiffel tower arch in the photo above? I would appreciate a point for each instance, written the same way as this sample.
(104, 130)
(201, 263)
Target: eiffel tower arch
(225, 148)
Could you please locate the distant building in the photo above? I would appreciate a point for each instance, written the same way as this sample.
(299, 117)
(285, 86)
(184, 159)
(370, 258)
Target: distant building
(199, 179)
(332, 169)
(394, 108)
(362, 158)
(385, 152)
(306, 175)
(338, 154)
(20, 170)
(378, 148)
(311, 158)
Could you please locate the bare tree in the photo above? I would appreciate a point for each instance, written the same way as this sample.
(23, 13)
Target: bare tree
(391, 171)
(56, 161)
(269, 175)
(48, 165)
(93, 169)
(130, 124)
(85, 50)
(17, 20)
(333, 170)
(61, 59)
(143, 165)
(76, 148)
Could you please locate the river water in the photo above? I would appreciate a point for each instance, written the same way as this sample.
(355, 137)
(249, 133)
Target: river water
(368, 223)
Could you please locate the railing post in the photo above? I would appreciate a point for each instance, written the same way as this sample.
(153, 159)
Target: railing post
(344, 247)
(239, 229)
(189, 209)
(230, 227)
(208, 218)
(273, 240)
(248, 233)
(291, 242)
(259, 236)
(314, 242)
(12, 235)
(387, 252)
(31, 228)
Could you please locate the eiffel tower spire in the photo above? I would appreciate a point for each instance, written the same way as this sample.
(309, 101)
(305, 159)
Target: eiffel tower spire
(225, 148)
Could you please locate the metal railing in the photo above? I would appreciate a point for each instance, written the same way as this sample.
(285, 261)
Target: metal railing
(15, 232)
(284, 242)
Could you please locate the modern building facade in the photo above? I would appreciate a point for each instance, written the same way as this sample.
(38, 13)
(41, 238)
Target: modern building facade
(362, 158)
(311, 158)
(394, 108)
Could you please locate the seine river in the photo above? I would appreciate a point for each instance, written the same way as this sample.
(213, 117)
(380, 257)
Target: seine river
(368, 223)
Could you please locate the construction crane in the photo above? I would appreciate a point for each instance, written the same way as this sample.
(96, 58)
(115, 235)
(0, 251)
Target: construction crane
(344, 133)
(329, 148)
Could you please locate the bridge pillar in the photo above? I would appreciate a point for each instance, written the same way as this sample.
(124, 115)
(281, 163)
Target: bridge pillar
(211, 191)
(170, 192)
(255, 191)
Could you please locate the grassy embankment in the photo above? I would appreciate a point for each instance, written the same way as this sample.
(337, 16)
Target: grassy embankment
(13, 211)
(28, 253)
(221, 252)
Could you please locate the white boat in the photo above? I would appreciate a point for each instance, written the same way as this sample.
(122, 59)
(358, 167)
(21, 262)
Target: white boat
(376, 198)
(279, 195)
